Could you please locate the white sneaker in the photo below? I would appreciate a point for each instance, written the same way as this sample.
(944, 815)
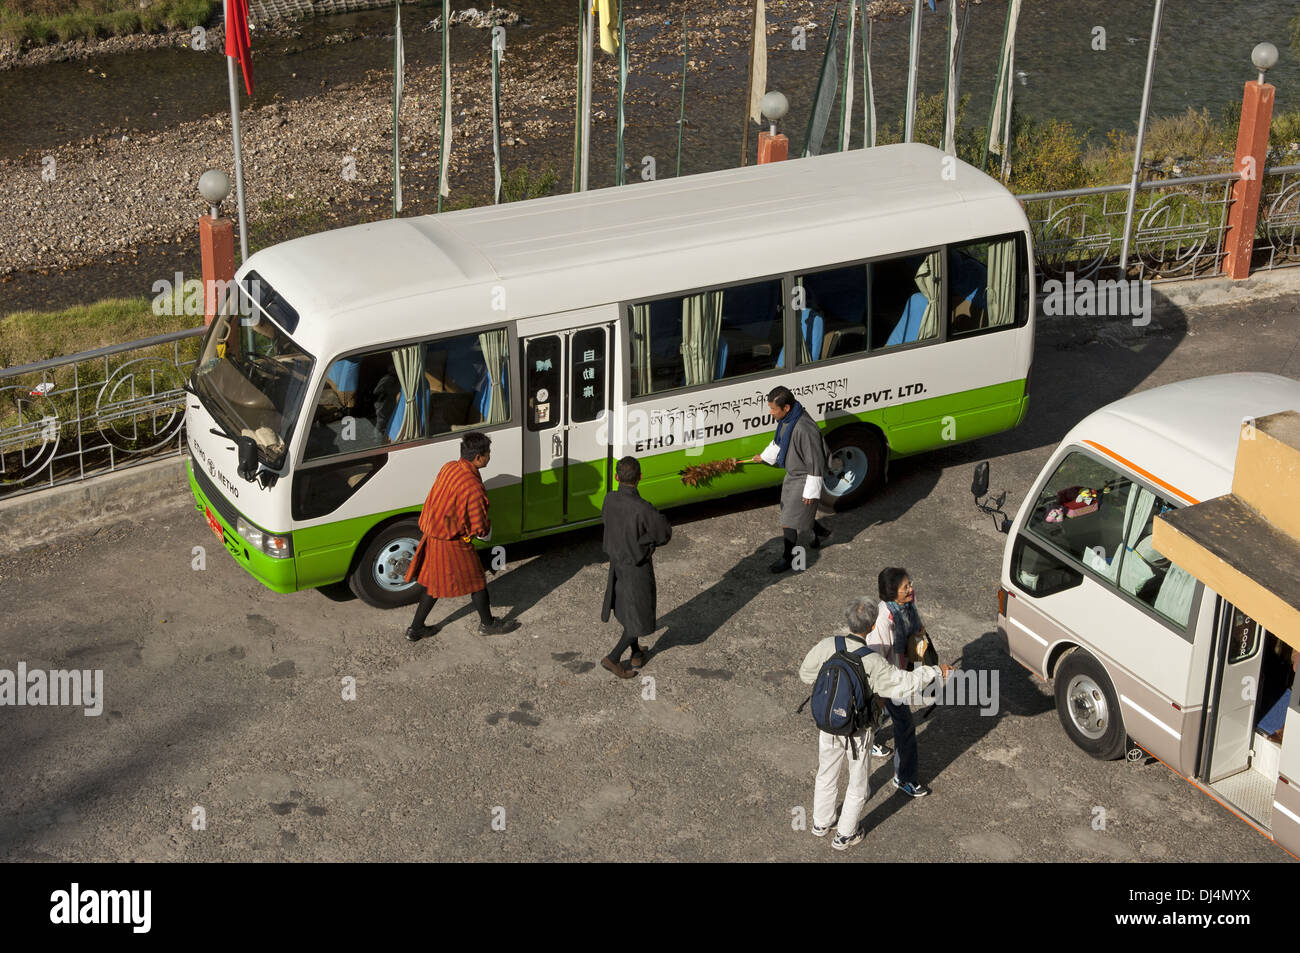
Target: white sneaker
(823, 831)
(844, 843)
(881, 751)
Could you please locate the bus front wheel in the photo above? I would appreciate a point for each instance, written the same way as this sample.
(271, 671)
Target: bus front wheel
(855, 467)
(379, 577)
(1089, 710)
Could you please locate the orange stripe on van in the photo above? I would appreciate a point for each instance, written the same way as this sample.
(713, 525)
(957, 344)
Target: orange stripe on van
(1137, 469)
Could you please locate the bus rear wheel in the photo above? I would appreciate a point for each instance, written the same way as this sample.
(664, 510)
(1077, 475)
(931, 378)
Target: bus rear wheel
(855, 468)
(1088, 707)
(379, 577)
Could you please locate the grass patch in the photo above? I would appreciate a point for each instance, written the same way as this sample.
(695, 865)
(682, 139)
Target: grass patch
(27, 23)
(30, 336)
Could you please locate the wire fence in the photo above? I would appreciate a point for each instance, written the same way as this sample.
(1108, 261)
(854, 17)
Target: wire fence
(68, 418)
(1178, 227)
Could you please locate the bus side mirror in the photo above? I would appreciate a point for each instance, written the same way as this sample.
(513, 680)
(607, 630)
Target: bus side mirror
(979, 486)
(247, 468)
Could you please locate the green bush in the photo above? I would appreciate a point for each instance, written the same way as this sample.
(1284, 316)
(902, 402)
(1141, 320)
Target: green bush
(1046, 156)
(183, 14)
(123, 22)
(151, 20)
(75, 26)
(524, 183)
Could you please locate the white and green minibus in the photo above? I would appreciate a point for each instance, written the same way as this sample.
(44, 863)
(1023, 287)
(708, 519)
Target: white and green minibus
(891, 289)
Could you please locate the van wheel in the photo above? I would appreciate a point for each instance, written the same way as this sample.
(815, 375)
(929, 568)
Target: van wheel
(1088, 707)
(379, 577)
(855, 467)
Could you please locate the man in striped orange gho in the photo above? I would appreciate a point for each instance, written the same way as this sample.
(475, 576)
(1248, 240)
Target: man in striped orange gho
(445, 562)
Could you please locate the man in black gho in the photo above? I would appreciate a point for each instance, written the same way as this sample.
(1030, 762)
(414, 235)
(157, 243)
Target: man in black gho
(633, 529)
(798, 447)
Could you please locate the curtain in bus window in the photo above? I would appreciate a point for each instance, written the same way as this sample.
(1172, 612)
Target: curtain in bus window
(641, 350)
(701, 331)
(927, 281)
(492, 405)
(1144, 573)
(1135, 571)
(1002, 283)
(410, 375)
(1174, 600)
(805, 316)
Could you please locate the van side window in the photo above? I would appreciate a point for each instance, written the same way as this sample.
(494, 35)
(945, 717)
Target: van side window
(1082, 509)
(412, 392)
(1144, 573)
(707, 336)
(1038, 572)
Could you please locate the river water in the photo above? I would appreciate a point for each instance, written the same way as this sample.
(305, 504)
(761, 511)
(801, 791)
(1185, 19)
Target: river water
(1204, 58)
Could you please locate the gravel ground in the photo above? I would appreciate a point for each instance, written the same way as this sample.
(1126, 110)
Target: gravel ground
(223, 696)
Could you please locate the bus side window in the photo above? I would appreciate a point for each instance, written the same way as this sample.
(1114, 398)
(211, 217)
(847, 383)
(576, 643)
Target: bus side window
(451, 383)
(706, 336)
(984, 285)
(347, 416)
(832, 315)
(905, 300)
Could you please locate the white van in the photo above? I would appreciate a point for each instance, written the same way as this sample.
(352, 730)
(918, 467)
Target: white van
(1138, 649)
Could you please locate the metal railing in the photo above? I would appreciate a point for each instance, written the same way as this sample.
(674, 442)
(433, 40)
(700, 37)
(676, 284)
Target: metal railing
(72, 417)
(1178, 227)
(69, 418)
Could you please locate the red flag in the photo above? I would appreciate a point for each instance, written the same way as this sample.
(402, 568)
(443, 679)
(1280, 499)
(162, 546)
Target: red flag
(238, 43)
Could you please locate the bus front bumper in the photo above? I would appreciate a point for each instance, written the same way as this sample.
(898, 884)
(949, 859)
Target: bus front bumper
(278, 575)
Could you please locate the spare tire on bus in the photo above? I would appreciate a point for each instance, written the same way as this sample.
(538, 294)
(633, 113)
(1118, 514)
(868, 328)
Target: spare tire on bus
(1088, 706)
(379, 575)
(855, 466)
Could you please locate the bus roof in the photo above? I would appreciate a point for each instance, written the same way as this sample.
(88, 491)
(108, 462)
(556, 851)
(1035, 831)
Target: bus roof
(571, 251)
(1185, 434)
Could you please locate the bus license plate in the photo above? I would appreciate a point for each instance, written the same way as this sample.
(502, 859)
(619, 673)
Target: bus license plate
(216, 527)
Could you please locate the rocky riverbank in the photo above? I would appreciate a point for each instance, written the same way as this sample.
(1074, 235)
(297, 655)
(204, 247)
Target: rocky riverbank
(108, 195)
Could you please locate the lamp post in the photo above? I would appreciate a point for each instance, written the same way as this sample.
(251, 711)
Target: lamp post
(773, 147)
(216, 242)
(1252, 152)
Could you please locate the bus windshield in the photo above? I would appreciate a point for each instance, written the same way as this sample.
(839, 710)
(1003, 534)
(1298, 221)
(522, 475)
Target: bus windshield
(252, 377)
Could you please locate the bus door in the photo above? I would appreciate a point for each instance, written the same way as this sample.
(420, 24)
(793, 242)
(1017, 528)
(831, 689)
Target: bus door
(566, 440)
(1238, 658)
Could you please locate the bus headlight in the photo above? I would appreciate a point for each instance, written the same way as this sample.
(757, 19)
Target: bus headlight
(277, 547)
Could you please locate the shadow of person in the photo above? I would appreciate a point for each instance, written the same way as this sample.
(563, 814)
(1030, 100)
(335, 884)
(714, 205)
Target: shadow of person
(699, 617)
(963, 716)
(538, 568)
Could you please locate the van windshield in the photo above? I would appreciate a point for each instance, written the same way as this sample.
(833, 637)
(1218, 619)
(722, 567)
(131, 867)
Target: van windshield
(252, 376)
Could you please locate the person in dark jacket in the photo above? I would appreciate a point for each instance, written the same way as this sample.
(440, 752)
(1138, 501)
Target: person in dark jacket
(633, 530)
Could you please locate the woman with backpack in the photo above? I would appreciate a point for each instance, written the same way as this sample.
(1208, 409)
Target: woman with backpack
(847, 675)
(898, 625)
